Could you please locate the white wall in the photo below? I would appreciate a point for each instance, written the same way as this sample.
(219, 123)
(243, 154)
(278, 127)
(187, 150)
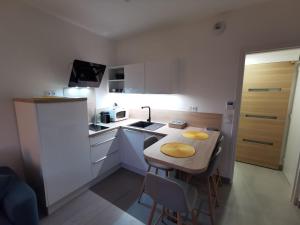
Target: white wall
(292, 153)
(36, 52)
(212, 64)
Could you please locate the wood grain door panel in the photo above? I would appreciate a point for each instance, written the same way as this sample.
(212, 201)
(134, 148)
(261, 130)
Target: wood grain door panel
(258, 154)
(264, 109)
(266, 103)
(262, 129)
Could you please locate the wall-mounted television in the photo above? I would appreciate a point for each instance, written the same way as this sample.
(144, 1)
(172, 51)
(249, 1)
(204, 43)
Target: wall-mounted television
(86, 74)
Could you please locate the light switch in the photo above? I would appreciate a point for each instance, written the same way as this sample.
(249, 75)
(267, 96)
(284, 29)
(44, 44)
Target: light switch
(229, 105)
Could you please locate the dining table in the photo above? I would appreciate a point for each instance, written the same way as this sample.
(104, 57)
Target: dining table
(195, 164)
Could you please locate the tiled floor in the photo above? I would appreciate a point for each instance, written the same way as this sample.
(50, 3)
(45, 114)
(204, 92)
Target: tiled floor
(257, 196)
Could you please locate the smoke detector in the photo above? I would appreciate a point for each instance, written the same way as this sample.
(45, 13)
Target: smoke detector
(219, 27)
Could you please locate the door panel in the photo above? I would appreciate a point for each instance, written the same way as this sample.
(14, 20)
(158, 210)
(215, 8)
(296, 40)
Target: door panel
(292, 154)
(264, 109)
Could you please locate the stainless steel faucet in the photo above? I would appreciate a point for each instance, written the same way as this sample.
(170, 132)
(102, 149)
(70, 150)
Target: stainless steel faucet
(149, 117)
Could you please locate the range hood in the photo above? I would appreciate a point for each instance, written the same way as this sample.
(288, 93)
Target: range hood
(86, 74)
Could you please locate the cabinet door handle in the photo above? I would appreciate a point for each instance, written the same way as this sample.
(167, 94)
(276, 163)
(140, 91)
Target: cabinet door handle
(132, 131)
(99, 160)
(258, 142)
(102, 142)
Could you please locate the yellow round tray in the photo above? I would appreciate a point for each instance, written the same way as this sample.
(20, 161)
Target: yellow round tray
(195, 135)
(178, 150)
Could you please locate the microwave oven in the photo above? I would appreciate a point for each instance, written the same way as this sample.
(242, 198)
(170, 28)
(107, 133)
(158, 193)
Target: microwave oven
(118, 113)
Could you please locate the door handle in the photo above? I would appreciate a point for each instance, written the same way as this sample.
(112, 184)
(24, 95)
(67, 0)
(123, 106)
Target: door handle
(261, 116)
(258, 142)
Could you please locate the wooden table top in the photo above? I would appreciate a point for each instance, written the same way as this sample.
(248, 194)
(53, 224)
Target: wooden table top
(195, 164)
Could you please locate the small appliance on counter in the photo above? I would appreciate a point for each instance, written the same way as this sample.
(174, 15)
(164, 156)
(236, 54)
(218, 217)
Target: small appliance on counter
(179, 124)
(118, 113)
(104, 117)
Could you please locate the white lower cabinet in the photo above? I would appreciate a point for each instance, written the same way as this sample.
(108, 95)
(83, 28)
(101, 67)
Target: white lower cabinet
(105, 164)
(132, 150)
(55, 146)
(123, 146)
(104, 152)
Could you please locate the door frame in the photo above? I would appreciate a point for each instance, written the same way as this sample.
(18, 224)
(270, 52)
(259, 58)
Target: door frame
(295, 197)
(238, 98)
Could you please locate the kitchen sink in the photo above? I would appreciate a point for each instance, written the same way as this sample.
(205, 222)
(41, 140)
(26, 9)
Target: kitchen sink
(147, 125)
(141, 124)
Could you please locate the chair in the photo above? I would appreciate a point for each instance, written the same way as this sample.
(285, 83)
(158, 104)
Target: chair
(209, 178)
(218, 175)
(148, 142)
(173, 195)
(18, 204)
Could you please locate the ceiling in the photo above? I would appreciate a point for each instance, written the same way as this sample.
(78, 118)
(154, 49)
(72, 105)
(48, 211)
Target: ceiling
(119, 18)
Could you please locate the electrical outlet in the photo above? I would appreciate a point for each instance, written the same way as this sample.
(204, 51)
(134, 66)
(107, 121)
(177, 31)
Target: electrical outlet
(53, 92)
(49, 93)
(193, 108)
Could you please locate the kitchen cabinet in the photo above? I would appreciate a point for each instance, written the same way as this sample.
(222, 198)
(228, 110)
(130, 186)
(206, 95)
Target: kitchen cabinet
(54, 140)
(132, 150)
(161, 77)
(134, 78)
(104, 152)
(116, 79)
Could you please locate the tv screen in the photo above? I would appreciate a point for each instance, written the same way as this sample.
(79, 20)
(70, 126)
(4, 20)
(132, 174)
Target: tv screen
(86, 74)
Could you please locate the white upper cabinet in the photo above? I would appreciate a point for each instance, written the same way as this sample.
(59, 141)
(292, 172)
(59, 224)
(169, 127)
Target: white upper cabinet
(161, 77)
(134, 78)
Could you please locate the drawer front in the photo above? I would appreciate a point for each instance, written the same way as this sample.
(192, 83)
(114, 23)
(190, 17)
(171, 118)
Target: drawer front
(106, 147)
(104, 165)
(102, 137)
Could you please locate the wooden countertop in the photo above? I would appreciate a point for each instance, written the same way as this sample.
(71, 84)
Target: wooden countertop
(198, 163)
(48, 99)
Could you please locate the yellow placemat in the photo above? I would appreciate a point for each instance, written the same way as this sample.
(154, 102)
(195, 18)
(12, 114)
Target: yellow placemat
(178, 150)
(195, 135)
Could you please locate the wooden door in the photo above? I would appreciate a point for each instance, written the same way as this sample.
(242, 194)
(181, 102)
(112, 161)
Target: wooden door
(264, 109)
